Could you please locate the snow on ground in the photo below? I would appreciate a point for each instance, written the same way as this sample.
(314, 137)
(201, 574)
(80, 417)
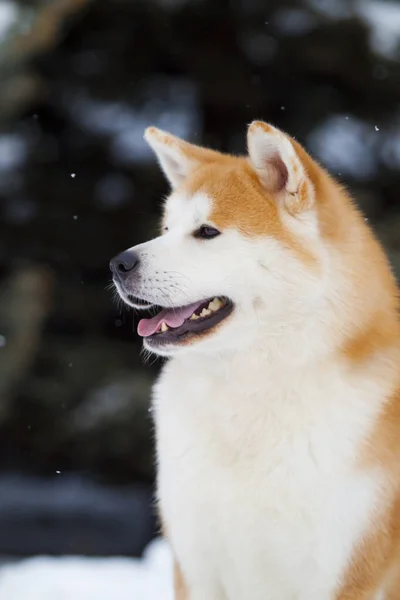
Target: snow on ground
(383, 18)
(78, 578)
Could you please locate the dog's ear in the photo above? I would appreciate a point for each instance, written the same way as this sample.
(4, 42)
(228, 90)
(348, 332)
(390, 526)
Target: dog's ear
(177, 158)
(278, 166)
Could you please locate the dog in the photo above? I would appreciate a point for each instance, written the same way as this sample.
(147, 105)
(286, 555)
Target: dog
(277, 412)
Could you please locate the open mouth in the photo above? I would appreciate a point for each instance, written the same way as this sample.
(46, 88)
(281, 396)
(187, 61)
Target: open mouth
(174, 325)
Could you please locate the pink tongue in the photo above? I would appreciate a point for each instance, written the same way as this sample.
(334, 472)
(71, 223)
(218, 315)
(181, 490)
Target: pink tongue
(173, 317)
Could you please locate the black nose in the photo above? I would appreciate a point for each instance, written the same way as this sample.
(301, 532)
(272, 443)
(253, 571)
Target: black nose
(124, 262)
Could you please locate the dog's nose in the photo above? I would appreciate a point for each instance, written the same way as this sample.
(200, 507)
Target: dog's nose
(124, 263)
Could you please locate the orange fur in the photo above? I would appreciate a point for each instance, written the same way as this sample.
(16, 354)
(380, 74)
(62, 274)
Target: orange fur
(180, 588)
(241, 202)
(378, 331)
(392, 584)
(375, 564)
(372, 328)
(376, 334)
(376, 560)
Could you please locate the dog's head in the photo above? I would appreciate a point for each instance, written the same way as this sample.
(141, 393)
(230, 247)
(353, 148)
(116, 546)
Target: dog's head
(240, 253)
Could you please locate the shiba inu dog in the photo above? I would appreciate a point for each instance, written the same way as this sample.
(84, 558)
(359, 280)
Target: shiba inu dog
(278, 412)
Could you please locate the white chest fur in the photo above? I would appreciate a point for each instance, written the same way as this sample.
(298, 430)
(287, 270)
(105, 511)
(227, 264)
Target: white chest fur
(256, 480)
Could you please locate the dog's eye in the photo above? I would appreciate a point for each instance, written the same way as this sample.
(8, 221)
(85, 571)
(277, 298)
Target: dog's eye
(206, 232)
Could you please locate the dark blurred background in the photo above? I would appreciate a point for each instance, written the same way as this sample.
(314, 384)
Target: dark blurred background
(80, 80)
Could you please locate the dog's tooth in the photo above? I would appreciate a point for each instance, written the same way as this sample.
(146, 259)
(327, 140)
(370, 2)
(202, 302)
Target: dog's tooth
(215, 304)
(205, 312)
(194, 317)
(164, 326)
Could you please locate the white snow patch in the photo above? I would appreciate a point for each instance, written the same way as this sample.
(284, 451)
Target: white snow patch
(381, 16)
(176, 110)
(383, 19)
(8, 16)
(78, 578)
(13, 151)
(335, 9)
(347, 145)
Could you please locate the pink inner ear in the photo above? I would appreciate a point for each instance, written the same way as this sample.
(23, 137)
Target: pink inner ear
(280, 172)
(274, 173)
(175, 165)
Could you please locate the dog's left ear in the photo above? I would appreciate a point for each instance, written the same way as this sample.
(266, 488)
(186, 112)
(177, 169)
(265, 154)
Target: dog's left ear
(177, 158)
(278, 166)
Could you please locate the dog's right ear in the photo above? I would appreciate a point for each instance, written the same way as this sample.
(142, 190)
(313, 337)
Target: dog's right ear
(177, 158)
(279, 167)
